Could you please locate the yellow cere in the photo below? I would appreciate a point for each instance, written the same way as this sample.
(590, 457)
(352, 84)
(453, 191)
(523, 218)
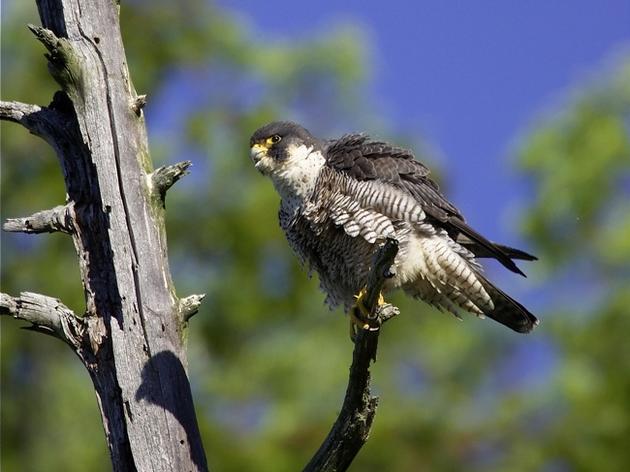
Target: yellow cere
(261, 146)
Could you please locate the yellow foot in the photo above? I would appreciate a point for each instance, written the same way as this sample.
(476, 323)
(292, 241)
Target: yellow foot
(359, 314)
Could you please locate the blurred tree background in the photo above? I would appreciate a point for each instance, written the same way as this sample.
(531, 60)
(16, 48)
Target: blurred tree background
(268, 362)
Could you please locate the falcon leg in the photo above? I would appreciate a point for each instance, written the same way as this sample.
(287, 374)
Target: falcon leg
(360, 315)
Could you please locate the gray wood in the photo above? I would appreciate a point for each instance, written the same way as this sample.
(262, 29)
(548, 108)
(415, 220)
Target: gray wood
(131, 338)
(47, 221)
(47, 315)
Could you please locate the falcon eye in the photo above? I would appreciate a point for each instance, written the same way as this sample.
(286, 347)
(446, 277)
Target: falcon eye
(275, 139)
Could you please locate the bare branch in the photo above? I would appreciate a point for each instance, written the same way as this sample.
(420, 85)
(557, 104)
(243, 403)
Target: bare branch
(17, 112)
(138, 104)
(63, 63)
(189, 306)
(352, 428)
(46, 314)
(164, 177)
(44, 36)
(41, 121)
(59, 218)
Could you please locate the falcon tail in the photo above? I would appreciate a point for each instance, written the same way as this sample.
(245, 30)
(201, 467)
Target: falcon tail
(480, 245)
(514, 253)
(511, 252)
(441, 273)
(508, 311)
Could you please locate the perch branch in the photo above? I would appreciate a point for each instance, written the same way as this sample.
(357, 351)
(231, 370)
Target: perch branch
(352, 427)
(47, 221)
(46, 314)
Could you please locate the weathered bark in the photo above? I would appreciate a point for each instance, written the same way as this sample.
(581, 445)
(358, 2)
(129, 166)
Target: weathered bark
(352, 427)
(131, 336)
(47, 221)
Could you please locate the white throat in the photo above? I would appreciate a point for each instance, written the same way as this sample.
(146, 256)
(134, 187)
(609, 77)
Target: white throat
(296, 177)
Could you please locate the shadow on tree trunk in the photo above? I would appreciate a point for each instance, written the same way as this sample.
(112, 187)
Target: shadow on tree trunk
(166, 363)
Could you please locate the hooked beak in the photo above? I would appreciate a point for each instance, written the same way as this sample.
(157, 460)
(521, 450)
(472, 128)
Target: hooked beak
(257, 152)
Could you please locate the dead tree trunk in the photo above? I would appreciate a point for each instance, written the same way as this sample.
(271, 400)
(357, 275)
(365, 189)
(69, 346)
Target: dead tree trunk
(131, 337)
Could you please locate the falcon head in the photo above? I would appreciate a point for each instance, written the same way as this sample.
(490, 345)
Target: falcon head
(289, 155)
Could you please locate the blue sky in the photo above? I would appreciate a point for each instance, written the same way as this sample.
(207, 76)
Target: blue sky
(472, 78)
(469, 76)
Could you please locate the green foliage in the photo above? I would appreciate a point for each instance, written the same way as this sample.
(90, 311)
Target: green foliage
(268, 362)
(580, 218)
(578, 160)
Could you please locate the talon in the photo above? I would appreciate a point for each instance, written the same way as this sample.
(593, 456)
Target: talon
(356, 320)
(360, 307)
(359, 314)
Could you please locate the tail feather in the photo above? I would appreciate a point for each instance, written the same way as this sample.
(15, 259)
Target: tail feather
(508, 311)
(483, 252)
(444, 275)
(511, 252)
(482, 245)
(514, 253)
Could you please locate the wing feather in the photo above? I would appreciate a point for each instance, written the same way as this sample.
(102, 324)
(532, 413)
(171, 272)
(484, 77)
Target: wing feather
(363, 159)
(368, 209)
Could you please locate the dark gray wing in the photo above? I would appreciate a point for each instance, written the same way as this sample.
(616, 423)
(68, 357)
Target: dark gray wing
(364, 159)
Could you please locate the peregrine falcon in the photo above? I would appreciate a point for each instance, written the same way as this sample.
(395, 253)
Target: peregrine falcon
(341, 199)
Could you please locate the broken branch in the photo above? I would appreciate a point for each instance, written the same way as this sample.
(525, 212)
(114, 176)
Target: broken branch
(46, 314)
(58, 218)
